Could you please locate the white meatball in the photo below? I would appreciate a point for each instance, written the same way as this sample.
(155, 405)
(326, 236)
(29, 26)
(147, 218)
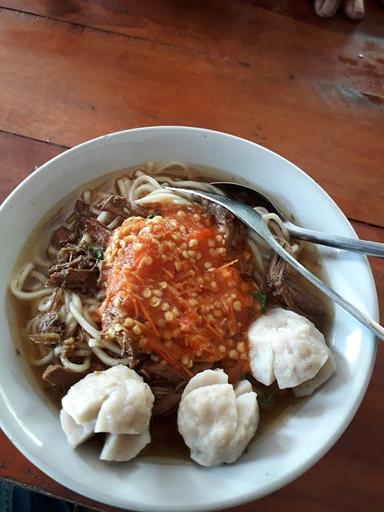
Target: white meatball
(76, 434)
(124, 447)
(286, 347)
(244, 386)
(247, 421)
(127, 409)
(116, 401)
(84, 398)
(215, 420)
(326, 371)
(206, 378)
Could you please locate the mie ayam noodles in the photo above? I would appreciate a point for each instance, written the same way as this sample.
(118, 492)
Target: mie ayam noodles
(145, 303)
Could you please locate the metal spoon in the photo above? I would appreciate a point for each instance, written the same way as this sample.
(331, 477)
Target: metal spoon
(254, 198)
(254, 221)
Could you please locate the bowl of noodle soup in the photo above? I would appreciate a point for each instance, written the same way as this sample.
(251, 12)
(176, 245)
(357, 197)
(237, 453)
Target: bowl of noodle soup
(64, 220)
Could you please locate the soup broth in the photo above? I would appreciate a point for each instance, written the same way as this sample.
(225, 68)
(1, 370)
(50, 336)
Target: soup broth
(274, 404)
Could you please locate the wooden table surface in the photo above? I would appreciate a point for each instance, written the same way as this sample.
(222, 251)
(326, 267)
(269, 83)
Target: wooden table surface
(269, 71)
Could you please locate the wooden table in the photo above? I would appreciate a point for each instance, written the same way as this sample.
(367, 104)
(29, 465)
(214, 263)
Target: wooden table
(270, 71)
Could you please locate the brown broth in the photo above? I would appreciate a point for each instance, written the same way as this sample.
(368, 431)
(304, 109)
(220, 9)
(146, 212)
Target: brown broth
(166, 440)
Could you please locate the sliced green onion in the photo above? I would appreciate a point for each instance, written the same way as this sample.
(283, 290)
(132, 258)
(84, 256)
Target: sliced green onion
(96, 252)
(261, 299)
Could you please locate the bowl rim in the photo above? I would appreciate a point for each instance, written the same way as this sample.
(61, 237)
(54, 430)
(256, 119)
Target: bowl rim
(301, 467)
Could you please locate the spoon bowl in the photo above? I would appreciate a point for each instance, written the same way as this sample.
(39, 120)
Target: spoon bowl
(249, 196)
(255, 199)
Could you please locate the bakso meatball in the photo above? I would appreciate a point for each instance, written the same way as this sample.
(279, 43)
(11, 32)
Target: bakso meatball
(215, 419)
(116, 401)
(286, 347)
(309, 386)
(117, 398)
(123, 447)
(76, 434)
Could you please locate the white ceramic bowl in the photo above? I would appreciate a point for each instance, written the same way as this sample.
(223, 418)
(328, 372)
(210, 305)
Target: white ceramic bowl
(274, 459)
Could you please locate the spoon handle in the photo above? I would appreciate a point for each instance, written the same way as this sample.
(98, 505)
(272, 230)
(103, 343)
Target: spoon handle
(253, 220)
(341, 242)
(373, 326)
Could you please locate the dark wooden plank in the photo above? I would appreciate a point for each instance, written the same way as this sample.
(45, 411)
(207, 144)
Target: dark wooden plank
(256, 33)
(377, 235)
(73, 84)
(19, 156)
(347, 478)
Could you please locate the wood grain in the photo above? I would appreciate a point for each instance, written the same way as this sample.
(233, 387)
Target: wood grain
(245, 30)
(267, 70)
(347, 477)
(19, 156)
(74, 83)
